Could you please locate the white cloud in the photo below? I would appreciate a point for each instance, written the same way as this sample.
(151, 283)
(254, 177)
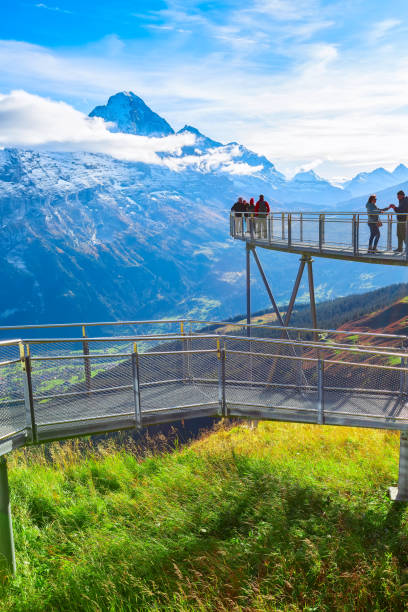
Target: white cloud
(34, 122)
(380, 29)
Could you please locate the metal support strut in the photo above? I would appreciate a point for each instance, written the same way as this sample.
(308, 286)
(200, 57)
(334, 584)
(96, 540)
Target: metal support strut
(400, 493)
(7, 555)
(248, 288)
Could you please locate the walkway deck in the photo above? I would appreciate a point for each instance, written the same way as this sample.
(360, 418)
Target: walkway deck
(53, 392)
(332, 235)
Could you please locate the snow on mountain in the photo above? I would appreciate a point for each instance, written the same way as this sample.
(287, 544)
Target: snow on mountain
(85, 236)
(366, 183)
(307, 186)
(131, 115)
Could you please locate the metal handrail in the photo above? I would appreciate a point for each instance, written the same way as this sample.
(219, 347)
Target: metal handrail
(186, 321)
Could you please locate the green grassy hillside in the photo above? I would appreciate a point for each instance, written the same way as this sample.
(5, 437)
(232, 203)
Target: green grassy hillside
(283, 517)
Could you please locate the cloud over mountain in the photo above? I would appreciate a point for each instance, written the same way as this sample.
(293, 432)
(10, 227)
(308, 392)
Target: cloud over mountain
(34, 122)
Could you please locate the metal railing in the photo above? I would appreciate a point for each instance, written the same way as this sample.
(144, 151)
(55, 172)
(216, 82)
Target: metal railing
(52, 388)
(325, 232)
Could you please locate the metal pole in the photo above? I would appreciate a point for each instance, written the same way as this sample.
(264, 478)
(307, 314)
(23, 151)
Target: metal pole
(267, 287)
(301, 227)
(403, 376)
(7, 554)
(353, 235)
(283, 226)
(312, 294)
(389, 232)
(321, 231)
(406, 238)
(221, 379)
(320, 392)
(303, 260)
(136, 386)
(28, 393)
(248, 288)
(400, 493)
(87, 363)
(289, 230)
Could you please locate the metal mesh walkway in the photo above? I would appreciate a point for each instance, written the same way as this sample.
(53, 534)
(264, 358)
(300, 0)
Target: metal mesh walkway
(56, 388)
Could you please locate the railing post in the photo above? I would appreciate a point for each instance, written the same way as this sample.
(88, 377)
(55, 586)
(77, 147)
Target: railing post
(354, 235)
(389, 232)
(136, 386)
(270, 227)
(283, 225)
(289, 229)
(320, 391)
(403, 376)
(7, 554)
(400, 493)
(301, 227)
(87, 364)
(358, 233)
(221, 379)
(300, 370)
(28, 393)
(321, 231)
(406, 238)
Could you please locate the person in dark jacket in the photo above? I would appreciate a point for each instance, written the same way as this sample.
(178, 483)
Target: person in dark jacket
(373, 222)
(238, 209)
(401, 220)
(251, 217)
(261, 212)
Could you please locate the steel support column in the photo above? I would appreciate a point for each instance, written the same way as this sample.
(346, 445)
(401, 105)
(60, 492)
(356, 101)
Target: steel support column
(7, 555)
(312, 294)
(136, 386)
(248, 288)
(288, 314)
(268, 289)
(400, 493)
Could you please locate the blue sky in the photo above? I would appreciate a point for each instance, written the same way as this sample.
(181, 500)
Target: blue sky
(316, 84)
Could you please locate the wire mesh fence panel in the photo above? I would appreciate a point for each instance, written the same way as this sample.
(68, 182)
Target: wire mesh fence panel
(337, 231)
(12, 405)
(111, 391)
(165, 384)
(351, 378)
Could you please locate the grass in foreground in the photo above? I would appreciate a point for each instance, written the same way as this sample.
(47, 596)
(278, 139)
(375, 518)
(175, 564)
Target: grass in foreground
(285, 517)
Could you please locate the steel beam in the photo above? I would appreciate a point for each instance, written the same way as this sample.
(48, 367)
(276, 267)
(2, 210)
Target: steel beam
(268, 289)
(136, 386)
(7, 554)
(400, 493)
(312, 294)
(248, 288)
(288, 314)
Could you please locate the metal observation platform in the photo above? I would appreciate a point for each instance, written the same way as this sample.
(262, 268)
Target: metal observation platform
(66, 380)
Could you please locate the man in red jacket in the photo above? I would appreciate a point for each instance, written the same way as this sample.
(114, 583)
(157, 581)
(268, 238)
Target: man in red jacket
(261, 212)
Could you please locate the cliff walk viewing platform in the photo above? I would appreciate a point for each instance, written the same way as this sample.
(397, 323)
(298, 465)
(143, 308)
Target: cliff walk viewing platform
(337, 235)
(154, 372)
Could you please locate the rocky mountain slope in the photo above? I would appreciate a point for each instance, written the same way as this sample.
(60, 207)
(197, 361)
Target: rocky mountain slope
(85, 236)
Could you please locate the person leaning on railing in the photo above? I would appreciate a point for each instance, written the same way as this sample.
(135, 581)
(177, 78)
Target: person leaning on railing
(261, 212)
(401, 220)
(373, 222)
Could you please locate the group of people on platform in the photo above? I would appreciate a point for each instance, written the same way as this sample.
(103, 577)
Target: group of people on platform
(254, 215)
(374, 222)
(255, 218)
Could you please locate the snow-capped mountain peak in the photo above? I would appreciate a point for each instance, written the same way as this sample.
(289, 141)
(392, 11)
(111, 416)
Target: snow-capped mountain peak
(131, 115)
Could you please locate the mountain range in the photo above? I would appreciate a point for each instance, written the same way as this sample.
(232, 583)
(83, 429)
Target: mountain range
(85, 236)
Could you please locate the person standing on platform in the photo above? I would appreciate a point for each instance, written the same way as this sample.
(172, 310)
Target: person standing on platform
(373, 222)
(401, 220)
(261, 211)
(251, 218)
(237, 210)
(245, 215)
